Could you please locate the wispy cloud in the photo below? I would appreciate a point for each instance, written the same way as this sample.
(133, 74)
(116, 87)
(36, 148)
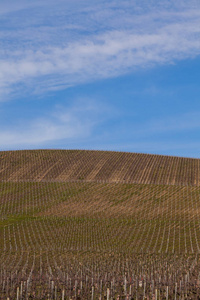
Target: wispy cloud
(68, 52)
(77, 121)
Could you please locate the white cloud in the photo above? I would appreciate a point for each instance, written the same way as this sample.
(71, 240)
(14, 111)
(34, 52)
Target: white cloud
(93, 42)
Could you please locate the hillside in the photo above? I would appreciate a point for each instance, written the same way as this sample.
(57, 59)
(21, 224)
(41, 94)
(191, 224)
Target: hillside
(98, 225)
(128, 218)
(106, 166)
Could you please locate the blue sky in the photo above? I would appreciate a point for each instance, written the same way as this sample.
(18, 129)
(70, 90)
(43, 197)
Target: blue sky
(105, 75)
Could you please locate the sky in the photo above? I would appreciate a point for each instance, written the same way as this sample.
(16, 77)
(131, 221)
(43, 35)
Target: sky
(100, 75)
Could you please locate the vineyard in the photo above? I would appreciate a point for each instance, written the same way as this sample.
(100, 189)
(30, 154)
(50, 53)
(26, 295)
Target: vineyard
(98, 225)
(98, 166)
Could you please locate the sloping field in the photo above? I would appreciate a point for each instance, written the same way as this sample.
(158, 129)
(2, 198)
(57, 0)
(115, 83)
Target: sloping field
(98, 225)
(99, 216)
(106, 166)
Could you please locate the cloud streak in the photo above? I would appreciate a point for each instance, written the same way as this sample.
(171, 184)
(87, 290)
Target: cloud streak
(70, 123)
(81, 55)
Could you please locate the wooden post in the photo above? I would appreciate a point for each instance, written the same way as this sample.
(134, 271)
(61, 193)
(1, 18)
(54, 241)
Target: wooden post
(125, 285)
(63, 294)
(175, 291)
(55, 292)
(21, 288)
(167, 293)
(144, 289)
(52, 288)
(92, 292)
(130, 290)
(156, 294)
(108, 293)
(17, 293)
(100, 290)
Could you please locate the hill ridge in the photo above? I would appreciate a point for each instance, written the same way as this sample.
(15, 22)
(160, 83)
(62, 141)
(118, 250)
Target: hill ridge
(97, 165)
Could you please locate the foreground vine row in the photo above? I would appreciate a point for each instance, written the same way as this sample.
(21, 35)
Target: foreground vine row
(88, 275)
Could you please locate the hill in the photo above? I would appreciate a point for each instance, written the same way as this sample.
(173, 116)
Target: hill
(107, 166)
(94, 224)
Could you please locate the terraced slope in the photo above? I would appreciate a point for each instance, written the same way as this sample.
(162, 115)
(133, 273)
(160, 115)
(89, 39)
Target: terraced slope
(99, 166)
